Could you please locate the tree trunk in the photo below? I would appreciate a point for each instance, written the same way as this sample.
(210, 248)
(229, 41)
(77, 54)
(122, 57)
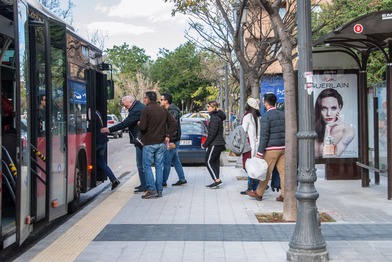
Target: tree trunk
(286, 61)
(290, 202)
(255, 88)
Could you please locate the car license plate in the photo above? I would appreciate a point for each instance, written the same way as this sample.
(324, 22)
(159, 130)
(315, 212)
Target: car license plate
(185, 142)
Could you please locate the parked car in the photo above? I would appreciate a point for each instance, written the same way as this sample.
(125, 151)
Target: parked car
(111, 121)
(193, 135)
(198, 116)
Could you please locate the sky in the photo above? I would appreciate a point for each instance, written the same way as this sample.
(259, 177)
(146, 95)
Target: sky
(147, 24)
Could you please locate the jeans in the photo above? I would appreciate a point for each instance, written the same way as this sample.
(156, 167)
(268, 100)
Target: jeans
(101, 148)
(171, 158)
(154, 153)
(139, 164)
(252, 183)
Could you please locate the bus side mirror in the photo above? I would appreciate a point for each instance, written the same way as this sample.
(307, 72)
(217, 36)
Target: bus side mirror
(110, 90)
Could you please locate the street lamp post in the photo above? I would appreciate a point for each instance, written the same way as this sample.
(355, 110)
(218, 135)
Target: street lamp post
(227, 99)
(307, 243)
(182, 106)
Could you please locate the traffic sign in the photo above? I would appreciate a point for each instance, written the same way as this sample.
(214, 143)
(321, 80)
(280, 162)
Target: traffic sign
(358, 28)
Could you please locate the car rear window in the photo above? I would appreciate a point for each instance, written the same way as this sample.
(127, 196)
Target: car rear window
(192, 128)
(112, 117)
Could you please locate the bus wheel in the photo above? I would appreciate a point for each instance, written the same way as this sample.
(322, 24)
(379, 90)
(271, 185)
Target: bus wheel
(73, 206)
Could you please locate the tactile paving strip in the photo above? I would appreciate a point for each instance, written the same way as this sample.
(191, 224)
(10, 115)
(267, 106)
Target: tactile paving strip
(77, 238)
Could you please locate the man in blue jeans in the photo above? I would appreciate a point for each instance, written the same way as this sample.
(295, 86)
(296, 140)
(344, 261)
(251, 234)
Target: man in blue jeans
(171, 154)
(134, 112)
(157, 127)
(102, 141)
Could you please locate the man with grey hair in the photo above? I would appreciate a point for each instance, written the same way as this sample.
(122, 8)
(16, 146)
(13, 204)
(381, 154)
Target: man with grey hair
(134, 112)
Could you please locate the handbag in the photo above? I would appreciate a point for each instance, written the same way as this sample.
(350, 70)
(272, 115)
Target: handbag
(136, 139)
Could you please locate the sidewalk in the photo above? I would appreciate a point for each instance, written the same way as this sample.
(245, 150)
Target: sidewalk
(194, 223)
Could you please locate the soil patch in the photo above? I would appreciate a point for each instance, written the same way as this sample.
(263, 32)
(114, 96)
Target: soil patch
(276, 217)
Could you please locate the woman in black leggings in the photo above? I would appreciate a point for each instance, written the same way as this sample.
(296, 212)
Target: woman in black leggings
(215, 142)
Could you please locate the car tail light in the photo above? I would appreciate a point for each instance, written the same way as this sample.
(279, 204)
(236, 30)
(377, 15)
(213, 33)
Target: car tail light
(111, 122)
(24, 142)
(203, 139)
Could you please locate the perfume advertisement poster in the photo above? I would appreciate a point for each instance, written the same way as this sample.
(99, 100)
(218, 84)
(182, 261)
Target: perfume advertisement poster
(336, 115)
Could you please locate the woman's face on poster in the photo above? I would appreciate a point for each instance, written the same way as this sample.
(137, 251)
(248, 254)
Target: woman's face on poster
(330, 109)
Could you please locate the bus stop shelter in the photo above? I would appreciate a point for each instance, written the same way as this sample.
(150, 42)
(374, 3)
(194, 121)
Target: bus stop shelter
(358, 39)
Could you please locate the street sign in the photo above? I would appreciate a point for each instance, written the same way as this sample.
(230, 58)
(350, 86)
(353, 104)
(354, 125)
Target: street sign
(358, 28)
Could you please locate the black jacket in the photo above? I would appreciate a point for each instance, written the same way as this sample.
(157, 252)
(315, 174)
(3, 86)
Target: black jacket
(175, 112)
(100, 137)
(215, 129)
(272, 131)
(134, 114)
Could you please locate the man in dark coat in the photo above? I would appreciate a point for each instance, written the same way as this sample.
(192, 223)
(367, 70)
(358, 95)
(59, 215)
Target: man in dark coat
(271, 145)
(102, 141)
(135, 108)
(158, 128)
(171, 154)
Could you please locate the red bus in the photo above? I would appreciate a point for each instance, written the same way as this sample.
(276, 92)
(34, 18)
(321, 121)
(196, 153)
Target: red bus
(52, 79)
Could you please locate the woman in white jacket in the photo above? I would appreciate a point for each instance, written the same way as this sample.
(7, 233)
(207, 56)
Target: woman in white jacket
(251, 125)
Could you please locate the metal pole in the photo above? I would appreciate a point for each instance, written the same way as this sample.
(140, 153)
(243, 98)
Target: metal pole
(307, 243)
(389, 118)
(227, 99)
(220, 93)
(242, 77)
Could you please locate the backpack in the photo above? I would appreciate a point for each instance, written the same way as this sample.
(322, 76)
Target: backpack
(237, 141)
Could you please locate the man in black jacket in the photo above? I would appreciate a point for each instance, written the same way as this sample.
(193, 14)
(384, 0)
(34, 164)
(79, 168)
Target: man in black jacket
(171, 154)
(271, 145)
(101, 142)
(135, 108)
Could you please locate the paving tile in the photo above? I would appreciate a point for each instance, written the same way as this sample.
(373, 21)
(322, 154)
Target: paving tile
(192, 223)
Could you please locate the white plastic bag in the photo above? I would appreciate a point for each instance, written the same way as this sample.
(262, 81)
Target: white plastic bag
(256, 168)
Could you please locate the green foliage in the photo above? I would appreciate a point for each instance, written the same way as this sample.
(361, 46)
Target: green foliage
(180, 74)
(340, 12)
(127, 60)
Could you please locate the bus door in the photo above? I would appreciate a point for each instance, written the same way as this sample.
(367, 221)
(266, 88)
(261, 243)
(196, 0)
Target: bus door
(97, 98)
(56, 135)
(48, 123)
(22, 118)
(8, 141)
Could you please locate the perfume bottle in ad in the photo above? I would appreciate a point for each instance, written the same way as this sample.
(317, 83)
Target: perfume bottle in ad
(329, 146)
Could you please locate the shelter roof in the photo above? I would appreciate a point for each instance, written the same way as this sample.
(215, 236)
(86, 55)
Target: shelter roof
(364, 33)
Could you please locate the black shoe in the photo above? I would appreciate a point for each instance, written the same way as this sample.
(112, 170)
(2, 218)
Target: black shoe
(179, 183)
(211, 185)
(140, 190)
(115, 184)
(150, 194)
(244, 192)
(217, 184)
(159, 194)
(138, 187)
(164, 184)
